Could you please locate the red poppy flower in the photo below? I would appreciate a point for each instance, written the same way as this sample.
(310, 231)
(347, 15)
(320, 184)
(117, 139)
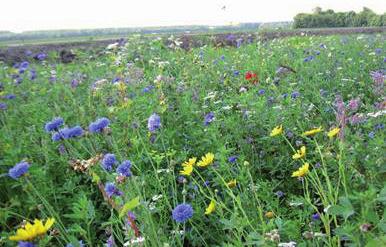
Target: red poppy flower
(250, 76)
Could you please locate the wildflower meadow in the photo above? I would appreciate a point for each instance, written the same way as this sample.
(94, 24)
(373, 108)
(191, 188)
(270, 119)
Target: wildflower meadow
(143, 143)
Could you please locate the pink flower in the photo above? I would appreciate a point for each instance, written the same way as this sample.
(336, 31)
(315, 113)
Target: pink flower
(354, 104)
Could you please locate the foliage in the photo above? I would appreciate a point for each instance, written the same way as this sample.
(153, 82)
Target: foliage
(329, 18)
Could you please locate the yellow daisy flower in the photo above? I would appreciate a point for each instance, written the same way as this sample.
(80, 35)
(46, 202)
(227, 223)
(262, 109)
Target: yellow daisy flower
(277, 130)
(299, 153)
(187, 167)
(186, 170)
(313, 131)
(31, 231)
(211, 207)
(206, 160)
(333, 132)
(190, 162)
(302, 171)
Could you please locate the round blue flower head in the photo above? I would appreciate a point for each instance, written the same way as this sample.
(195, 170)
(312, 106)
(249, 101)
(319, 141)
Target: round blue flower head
(3, 106)
(232, 159)
(111, 190)
(57, 136)
(124, 168)
(99, 125)
(54, 124)
(10, 96)
(24, 64)
(315, 216)
(154, 122)
(18, 170)
(67, 133)
(209, 118)
(40, 56)
(25, 244)
(108, 161)
(75, 132)
(295, 94)
(182, 212)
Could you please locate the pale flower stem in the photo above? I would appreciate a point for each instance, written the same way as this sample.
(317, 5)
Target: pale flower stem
(342, 168)
(230, 192)
(324, 172)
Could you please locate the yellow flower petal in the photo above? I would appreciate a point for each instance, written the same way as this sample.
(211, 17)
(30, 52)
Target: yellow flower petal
(313, 131)
(232, 183)
(49, 223)
(187, 170)
(299, 153)
(31, 231)
(206, 160)
(211, 207)
(302, 171)
(333, 132)
(277, 130)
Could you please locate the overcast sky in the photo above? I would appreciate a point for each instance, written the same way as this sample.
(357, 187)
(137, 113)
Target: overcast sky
(21, 15)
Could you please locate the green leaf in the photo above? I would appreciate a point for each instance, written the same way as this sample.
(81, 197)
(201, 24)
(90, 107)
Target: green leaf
(382, 195)
(95, 178)
(133, 203)
(344, 208)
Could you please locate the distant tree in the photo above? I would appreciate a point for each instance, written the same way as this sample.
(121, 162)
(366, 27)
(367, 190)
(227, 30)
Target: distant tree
(329, 18)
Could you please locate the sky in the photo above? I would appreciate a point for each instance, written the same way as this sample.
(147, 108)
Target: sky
(22, 15)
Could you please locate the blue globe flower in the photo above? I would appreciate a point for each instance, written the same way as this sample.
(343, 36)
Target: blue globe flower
(112, 190)
(208, 118)
(124, 168)
(54, 124)
(154, 122)
(67, 133)
(18, 170)
(182, 212)
(3, 106)
(108, 162)
(232, 159)
(25, 244)
(99, 125)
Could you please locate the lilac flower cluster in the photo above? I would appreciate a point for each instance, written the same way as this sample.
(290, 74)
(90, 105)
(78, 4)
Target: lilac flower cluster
(154, 122)
(379, 81)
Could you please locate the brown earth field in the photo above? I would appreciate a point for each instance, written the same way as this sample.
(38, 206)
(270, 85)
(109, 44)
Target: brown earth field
(67, 50)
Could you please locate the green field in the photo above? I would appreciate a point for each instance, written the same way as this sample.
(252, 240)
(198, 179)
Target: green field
(268, 144)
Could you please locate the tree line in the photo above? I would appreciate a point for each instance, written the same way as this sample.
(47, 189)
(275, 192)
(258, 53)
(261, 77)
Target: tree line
(329, 18)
